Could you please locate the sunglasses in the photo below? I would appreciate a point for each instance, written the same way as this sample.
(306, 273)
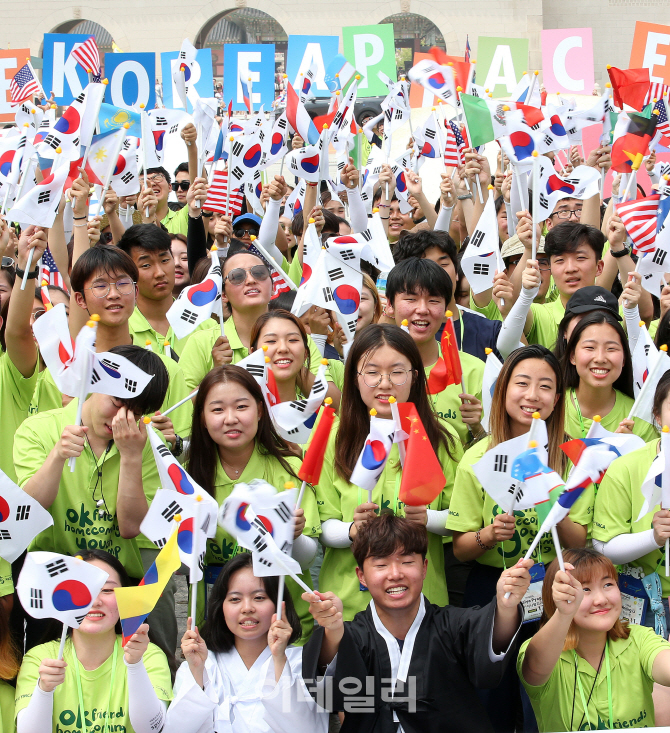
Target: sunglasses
(239, 274)
(8, 263)
(239, 233)
(184, 185)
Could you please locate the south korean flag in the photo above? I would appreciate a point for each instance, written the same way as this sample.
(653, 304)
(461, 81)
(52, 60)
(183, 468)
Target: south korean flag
(59, 586)
(295, 419)
(117, 376)
(196, 303)
(22, 518)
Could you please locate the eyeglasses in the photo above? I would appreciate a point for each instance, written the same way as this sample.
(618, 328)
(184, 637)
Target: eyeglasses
(37, 314)
(123, 287)
(397, 377)
(184, 185)
(239, 274)
(239, 233)
(567, 213)
(8, 263)
(544, 265)
(207, 214)
(158, 178)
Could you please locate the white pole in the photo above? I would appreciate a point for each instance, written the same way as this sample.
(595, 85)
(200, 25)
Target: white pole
(63, 639)
(110, 171)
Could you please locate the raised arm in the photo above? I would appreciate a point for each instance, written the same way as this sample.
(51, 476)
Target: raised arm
(79, 194)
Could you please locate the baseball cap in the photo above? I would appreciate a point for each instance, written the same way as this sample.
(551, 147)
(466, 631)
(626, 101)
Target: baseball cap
(252, 218)
(592, 298)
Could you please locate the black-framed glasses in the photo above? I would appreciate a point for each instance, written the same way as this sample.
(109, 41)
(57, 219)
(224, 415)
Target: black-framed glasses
(239, 274)
(373, 379)
(123, 287)
(207, 214)
(544, 265)
(567, 213)
(184, 185)
(239, 233)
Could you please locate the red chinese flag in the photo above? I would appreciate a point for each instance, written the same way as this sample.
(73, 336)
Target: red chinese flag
(450, 353)
(629, 86)
(437, 377)
(312, 463)
(422, 476)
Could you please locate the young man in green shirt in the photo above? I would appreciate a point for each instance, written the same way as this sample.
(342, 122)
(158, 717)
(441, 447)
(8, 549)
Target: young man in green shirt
(150, 248)
(418, 291)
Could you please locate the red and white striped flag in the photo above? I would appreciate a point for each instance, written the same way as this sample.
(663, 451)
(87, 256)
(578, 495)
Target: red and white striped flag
(639, 217)
(24, 85)
(454, 144)
(49, 271)
(657, 90)
(279, 284)
(88, 57)
(216, 195)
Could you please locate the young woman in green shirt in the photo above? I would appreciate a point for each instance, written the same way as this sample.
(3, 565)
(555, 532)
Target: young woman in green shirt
(9, 655)
(586, 669)
(99, 684)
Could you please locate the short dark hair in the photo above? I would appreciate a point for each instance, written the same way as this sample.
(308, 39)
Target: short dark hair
(415, 244)
(386, 534)
(567, 237)
(162, 170)
(215, 632)
(297, 225)
(415, 274)
(181, 168)
(331, 223)
(284, 301)
(145, 236)
(153, 395)
(106, 257)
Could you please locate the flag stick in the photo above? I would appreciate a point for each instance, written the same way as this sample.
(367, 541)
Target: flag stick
(228, 184)
(479, 191)
(201, 161)
(531, 88)
(144, 155)
(4, 203)
(516, 175)
(280, 595)
(194, 558)
(301, 494)
(26, 272)
(88, 147)
(667, 556)
(63, 639)
(557, 545)
(535, 205)
(181, 402)
(287, 571)
(110, 173)
(219, 307)
(271, 259)
(398, 426)
(281, 167)
(83, 391)
(631, 176)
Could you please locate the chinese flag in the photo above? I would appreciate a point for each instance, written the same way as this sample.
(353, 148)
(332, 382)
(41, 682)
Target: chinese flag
(437, 378)
(450, 353)
(422, 476)
(312, 463)
(629, 149)
(629, 86)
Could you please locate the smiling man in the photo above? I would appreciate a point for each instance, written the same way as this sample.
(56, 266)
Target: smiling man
(377, 679)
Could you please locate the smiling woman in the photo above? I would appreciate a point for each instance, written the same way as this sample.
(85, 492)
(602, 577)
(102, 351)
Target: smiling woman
(97, 674)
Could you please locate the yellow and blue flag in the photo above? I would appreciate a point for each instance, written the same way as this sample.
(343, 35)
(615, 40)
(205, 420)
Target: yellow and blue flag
(136, 603)
(114, 118)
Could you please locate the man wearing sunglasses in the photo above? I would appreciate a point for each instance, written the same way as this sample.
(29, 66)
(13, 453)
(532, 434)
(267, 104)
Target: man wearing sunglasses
(180, 186)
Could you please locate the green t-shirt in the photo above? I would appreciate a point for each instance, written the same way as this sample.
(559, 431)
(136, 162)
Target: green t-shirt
(336, 369)
(471, 509)
(6, 582)
(223, 547)
(142, 331)
(337, 499)
(653, 328)
(46, 396)
(15, 393)
(7, 694)
(96, 686)
(176, 222)
(577, 427)
(619, 502)
(631, 663)
(546, 318)
(446, 403)
(196, 360)
(77, 522)
(490, 310)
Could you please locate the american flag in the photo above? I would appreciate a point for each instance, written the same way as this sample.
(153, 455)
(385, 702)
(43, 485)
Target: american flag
(640, 217)
(656, 91)
(466, 55)
(663, 124)
(24, 85)
(87, 57)
(49, 271)
(216, 195)
(279, 285)
(454, 144)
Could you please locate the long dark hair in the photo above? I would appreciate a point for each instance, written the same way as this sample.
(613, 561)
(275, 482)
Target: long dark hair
(625, 381)
(501, 429)
(354, 415)
(663, 332)
(203, 455)
(215, 632)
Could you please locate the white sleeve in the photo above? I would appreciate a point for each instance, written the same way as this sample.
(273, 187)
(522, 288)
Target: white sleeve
(335, 533)
(320, 340)
(653, 176)
(192, 709)
(37, 717)
(146, 711)
(304, 550)
(267, 234)
(444, 219)
(511, 332)
(632, 318)
(357, 213)
(437, 521)
(626, 548)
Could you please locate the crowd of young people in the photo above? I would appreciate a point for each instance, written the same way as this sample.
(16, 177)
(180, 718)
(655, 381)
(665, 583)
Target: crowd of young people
(415, 622)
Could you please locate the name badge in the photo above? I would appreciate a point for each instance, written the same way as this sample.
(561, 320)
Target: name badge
(532, 600)
(634, 598)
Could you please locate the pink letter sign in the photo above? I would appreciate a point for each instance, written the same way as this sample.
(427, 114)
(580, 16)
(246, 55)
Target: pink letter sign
(567, 61)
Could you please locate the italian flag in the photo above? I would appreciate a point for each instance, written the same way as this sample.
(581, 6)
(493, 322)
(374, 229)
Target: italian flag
(485, 120)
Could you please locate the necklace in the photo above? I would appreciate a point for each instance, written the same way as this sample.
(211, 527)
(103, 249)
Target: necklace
(236, 471)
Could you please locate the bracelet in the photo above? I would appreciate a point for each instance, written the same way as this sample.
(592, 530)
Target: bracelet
(621, 253)
(383, 206)
(80, 225)
(78, 218)
(465, 196)
(32, 275)
(481, 544)
(178, 446)
(313, 185)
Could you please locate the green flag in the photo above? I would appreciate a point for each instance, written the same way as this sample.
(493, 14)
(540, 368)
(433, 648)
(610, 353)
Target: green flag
(478, 120)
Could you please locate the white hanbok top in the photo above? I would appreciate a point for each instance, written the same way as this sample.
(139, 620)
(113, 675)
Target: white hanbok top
(240, 700)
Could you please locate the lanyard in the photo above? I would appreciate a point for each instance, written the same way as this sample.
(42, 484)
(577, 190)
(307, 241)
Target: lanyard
(77, 664)
(609, 687)
(575, 402)
(462, 330)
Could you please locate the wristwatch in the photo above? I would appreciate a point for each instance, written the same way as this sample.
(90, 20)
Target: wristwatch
(464, 196)
(32, 275)
(621, 253)
(178, 446)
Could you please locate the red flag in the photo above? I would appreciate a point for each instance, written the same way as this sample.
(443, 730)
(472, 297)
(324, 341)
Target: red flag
(422, 476)
(629, 86)
(272, 386)
(629, 149)
(450, 353)
(460, 64)
(312, 463)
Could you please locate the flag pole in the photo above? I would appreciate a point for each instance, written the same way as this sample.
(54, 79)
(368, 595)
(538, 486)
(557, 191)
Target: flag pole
(280, 595)
(398, 426)
(467, 130)
(535, 203)
(97, 115)
(194, 558)
(180, 403)
(144, 151)
(271, 259)
(63, 639)
(557, 546)
(110, 170)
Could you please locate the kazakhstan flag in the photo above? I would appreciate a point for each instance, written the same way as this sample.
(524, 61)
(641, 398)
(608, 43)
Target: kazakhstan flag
(114, 118)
